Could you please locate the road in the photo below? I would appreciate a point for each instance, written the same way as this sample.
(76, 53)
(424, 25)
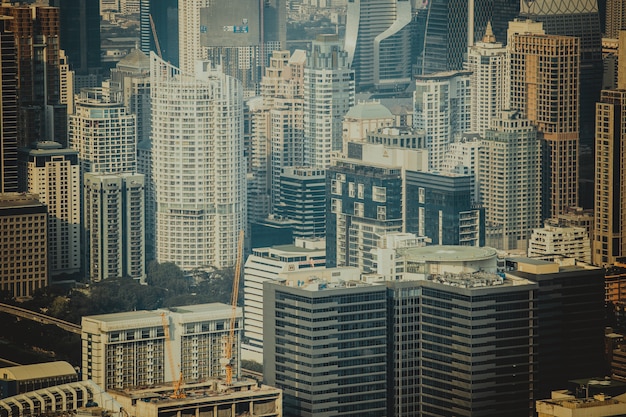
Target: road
(40, 318)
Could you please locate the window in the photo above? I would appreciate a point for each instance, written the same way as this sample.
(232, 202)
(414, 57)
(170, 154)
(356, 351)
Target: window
(379, 194)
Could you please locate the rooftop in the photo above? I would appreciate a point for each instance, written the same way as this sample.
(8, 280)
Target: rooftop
(447, 253)
(37, 371)
(369, 110)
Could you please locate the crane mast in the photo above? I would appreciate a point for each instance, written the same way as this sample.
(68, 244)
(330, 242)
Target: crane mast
(228, 353)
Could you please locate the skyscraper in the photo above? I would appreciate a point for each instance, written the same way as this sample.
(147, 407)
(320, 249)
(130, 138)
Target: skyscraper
(198, 165)
(545, 81)
(114, 226)
(8, 113)
(328, 95)
(442, 110)
(446, 28)
(52, 172)
(104, 134)
(80, 33)
(238, 35)
(610, 208)
(577, 18)
(378, 42)
(486, 60)
(510, 181)
(615, 18)
(41, 116)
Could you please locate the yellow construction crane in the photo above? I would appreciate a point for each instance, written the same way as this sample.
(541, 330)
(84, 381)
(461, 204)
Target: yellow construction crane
(154, 35)
(228, 352)
(178, 385)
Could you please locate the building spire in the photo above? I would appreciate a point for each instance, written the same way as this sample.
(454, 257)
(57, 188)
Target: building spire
(489, 36)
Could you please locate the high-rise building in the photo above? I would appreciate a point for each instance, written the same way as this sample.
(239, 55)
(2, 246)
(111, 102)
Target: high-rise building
(487, 62)
(569, 311)
(239, 35)
(114, 228)
(164, 14)
(80, 34)
(8, 113)
(24, 247)
(364, 202)
(198, 166)
(442, 111)
(615, 18)
(52, 172)
(302, 198)
(451, 352)
(577, 18)
(510, 181)
(328, 95)
(277, 133)
(123, 350)
(442, 209)
(609, 236)
(104, 134)
(66, 90)
(41, 116)
(270, 264)
(334, 362)
(545, 79)
(446, 28)
(379, 43)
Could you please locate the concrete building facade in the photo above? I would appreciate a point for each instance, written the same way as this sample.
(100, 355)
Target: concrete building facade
(52, 172)
(199, 175)
(24, 248)
(123, 350)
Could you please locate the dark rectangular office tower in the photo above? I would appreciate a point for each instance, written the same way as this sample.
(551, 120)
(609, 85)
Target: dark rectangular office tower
(325, 346)
(462, 345)
(80, 33)
(8, 112)
(569, 321)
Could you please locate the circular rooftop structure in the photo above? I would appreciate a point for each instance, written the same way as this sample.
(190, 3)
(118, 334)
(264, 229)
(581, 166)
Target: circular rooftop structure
(368, 110)
(448, 253)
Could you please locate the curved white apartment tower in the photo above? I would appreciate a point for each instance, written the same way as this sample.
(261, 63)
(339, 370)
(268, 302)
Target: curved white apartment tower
(198, 165)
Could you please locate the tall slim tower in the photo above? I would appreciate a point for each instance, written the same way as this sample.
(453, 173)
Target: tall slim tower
(198, 166)
(510, 181)
(487, 61)
(52, 172)
(577, 18)
(8, 112)
(328, 95)
(545, 79)
(378, 42)
(610, 172)
(441, 109)
(41, 116)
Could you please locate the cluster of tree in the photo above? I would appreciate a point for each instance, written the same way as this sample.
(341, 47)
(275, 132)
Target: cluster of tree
(167, 286)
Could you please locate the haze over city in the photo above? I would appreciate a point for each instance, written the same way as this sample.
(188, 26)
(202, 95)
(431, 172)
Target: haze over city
(378, 208)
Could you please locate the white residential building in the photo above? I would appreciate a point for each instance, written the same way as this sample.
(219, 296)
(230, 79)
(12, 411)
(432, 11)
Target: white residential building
(103, 133)
(442, 109)
(462, 158)
(555, 239)
(52, 172)
(189, 49)
(328, 95)
(198, 166)
(132, 349)
(114, 226)
(487, 61)
(510, 181)
(267, 264)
